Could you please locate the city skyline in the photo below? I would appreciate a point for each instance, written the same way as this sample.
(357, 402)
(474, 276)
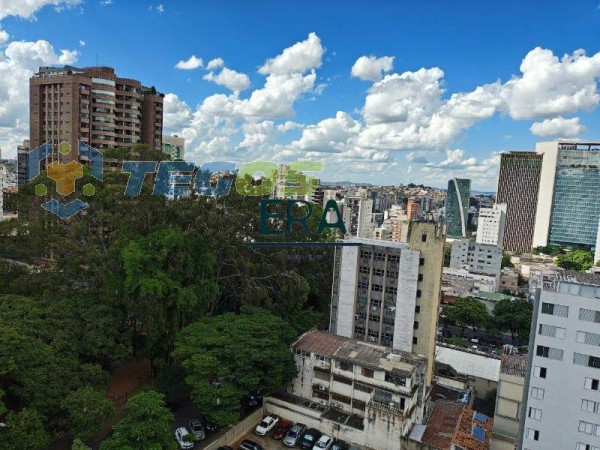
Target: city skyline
(374, 106)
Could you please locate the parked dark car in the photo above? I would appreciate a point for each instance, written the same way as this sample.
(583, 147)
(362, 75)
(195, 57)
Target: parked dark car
(280, 430)
(225, 447)
(252, 401)
(339, 445)
(309, 439)
(209, 425)
(247, 444)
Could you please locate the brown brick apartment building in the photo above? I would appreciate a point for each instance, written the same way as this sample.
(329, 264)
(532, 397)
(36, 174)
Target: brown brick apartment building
(94, 105)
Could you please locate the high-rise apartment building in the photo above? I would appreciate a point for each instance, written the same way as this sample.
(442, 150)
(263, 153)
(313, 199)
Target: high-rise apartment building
(174, 146)
(457, 207)
(358, 216)
(518, 186)
(95, 106)
(568, 206)
(388, 293)
(562, 384)
(22, 151)
(491, 225)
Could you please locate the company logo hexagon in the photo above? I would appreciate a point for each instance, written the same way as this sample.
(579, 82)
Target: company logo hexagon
(64, 175)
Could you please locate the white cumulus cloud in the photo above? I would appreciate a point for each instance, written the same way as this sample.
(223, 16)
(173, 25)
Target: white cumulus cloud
(558, 127)
(299, 58)
(215, 63)
(26, 9)
(229, 78)
(193, 62)
(372, 68)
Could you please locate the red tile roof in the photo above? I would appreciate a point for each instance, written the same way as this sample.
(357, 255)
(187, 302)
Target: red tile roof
(452, 423)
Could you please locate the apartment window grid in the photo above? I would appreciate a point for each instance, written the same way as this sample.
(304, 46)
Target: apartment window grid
(589, 428)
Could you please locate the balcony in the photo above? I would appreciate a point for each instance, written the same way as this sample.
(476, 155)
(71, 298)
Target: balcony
(391, 407)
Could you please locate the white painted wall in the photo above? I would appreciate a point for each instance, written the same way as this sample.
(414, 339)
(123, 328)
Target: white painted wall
(541, 230)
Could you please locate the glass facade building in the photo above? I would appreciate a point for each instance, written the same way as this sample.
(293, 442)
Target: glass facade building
(457, 207)
(576, 203)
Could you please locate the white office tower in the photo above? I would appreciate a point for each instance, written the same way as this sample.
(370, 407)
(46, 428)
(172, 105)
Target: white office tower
(491, 224)
(561, 405)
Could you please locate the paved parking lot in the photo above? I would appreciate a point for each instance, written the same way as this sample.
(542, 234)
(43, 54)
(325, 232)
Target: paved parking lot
(267, 442)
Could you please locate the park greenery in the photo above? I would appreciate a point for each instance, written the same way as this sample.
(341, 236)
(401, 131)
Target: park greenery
(152, 278)
(509, 315)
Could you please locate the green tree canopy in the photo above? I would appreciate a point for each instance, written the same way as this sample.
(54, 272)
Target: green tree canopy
(24, 431)
(467, 311)
(578, 259)
(514, 316)
(169, 282)
(146, 426)
(87, 409)
(231, 355)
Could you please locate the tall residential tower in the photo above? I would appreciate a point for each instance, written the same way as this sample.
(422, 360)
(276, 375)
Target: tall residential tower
(95, 106)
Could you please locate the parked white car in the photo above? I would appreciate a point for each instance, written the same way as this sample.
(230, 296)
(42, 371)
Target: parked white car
(266, 425)
(180, 437)
(324, 443)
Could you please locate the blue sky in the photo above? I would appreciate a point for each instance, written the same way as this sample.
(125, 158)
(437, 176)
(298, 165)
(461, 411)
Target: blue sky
(444, 105)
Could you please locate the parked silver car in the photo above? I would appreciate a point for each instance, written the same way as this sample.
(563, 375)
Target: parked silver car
(293, 436)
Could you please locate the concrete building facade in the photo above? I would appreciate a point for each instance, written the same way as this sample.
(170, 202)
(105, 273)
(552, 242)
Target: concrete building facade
(388, 293)
(366, 394)
(491, 225)
(509, 398)
(518, 187)
(561, 405)
(95, 106)
(477, 258)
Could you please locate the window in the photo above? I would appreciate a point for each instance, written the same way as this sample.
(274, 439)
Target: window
(586, 360)
(366, 372)
(591, 384)
(419, 293)
(588, 338)
(421, 261)
(345, 366)
(535, 414)
(532, 434)
(539, 372)
(587, 427)
(414, 340)
(396, 379)
(589, 315)
(417, 309)
(423, 238)
(537, 393)
(416, 325)
(420, 277)
(582, 446)
(589, 406)
(555, 310)
(549, 352)
(552, 331)
(341, 379)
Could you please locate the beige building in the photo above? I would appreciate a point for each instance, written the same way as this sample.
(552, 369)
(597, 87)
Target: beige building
(388, 293)
(508, 401)
(365, 394)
